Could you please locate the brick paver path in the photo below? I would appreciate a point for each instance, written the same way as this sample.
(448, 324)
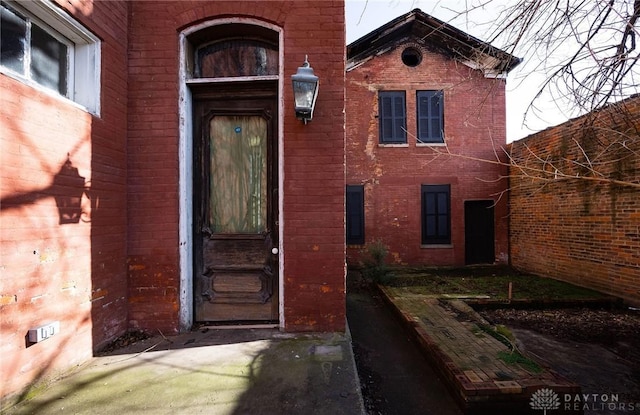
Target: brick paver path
(455, 338)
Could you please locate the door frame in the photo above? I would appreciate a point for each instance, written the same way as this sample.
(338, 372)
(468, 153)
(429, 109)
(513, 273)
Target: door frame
(185, 160)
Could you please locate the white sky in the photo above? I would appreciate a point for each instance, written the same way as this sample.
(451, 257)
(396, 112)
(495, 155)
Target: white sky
(364, 16)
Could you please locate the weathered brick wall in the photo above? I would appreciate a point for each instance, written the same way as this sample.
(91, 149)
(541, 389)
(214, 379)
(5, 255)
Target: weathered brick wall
(584, 229)
(314, 236)
(474, 114)
(313, 157)
(74, 273)
(153, 166)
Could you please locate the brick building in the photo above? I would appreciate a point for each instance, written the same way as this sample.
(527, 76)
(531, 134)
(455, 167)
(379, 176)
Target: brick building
(575, 214)
(117, 120)
(426, 103)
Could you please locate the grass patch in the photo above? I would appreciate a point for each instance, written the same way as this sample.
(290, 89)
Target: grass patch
(500, 333)
(505, 332)
(515, 358)
(477, 331)
(489, 281)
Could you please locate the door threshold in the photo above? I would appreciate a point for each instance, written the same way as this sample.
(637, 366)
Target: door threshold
(239, 326)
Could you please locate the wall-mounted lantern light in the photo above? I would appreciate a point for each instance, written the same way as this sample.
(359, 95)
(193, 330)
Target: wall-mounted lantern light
(305, 91)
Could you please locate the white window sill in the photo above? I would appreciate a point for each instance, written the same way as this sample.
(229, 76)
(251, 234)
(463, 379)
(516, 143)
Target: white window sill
(437, 246)
(431, 144)
(393, 145)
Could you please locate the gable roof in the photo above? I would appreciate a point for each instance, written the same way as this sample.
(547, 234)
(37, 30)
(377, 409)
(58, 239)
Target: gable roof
(432, 33)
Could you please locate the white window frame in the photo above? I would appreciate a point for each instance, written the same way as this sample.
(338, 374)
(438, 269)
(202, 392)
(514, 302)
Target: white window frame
(83, 69)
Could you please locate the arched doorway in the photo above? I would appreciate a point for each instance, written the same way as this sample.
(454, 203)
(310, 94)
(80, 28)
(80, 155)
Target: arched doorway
(232, 79)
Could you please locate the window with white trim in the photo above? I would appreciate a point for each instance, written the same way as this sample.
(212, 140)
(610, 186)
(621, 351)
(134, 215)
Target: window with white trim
(42, 46)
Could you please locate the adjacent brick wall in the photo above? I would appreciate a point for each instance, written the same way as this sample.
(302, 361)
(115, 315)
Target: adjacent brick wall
(313, 243)
(580, 229)
(474, 113)
(74, 273)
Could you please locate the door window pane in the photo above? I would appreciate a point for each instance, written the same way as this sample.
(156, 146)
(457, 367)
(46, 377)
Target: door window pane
(238, 181)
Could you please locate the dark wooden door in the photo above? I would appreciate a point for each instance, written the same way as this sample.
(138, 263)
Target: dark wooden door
(235, 203)
(478, 231)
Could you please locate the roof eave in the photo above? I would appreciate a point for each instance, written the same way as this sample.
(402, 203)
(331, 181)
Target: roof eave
(467, 49)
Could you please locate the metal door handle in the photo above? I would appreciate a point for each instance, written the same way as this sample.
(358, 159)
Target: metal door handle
(274, 251)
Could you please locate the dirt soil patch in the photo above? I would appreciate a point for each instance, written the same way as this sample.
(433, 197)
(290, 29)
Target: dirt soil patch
(597, 349)
(127, 339)
(617, 330)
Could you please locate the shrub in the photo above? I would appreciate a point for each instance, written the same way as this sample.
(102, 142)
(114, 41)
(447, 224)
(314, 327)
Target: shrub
(374, 263)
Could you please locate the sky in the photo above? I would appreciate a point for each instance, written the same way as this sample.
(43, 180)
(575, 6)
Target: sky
(522, 83)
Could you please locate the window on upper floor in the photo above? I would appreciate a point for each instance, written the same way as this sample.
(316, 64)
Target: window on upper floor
(392, 116)
(436, 214)
(41, 45)
(355, 214)
(430, 116)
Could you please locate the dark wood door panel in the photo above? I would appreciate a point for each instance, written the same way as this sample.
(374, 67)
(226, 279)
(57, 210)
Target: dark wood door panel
(235, 207)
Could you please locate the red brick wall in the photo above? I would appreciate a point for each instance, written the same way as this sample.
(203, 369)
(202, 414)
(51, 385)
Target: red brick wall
(474, 113)
(583, 231)
(73, 273)
(152, 164)
(313, 243)
(314, 238)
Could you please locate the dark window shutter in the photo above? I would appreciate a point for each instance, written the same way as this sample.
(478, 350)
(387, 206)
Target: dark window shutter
(355, 214)
(392, 117)
(436, 214)
(430, 115)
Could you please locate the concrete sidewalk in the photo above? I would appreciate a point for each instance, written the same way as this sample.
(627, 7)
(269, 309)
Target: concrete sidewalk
(249, 371)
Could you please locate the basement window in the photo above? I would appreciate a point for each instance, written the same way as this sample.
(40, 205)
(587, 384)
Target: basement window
(411, 57)
(42, 46)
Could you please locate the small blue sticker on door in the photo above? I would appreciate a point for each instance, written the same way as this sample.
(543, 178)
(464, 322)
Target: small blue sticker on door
(238, 130)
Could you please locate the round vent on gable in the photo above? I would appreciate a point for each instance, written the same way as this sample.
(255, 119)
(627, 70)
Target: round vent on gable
(411, 56)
